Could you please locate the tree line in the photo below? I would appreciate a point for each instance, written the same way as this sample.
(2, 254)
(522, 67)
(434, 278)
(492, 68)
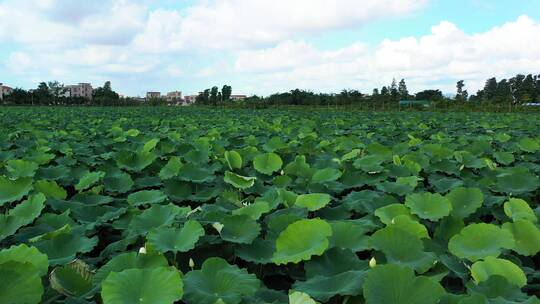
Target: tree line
(54, 93)
(521, 89)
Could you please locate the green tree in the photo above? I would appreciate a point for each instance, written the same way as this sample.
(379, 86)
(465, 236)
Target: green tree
(226, 92)
(516, 84)
(57, 90)
(432, 95)
(18, 96)
(105, 96)
(490, 89)
(394, 92)
(460, 96)
(504, 92)
(214, 95)
(527, 89)
(42, 95)
(402, 90)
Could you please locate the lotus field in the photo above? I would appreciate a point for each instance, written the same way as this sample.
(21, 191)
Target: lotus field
(199, 206)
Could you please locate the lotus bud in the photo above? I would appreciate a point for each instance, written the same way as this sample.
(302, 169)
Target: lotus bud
(218, 226)
(372, 263)
(142, 250)
(191, 263)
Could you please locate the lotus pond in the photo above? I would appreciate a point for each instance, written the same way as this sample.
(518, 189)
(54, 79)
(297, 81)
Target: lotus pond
(200, 206)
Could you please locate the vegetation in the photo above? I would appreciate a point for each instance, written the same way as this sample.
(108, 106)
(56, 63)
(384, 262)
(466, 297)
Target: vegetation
(207, 206)
(503, 95)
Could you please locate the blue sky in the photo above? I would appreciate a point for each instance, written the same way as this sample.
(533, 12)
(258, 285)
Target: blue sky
(263, 46)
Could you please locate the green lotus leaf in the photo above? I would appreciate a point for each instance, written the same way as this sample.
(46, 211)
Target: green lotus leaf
(143, 286)
(430, 206)
(254, 211)
(478, 241)
(177, 190)
(300, 298)
(394, 284)
(406, 223)
(527, 237)
(267, 163)
(174, 239)
(517, 181)
(301, 240)
(465, 201)
(155, 217)
(89, 179)
(62, 247)
(238, 181)
(134, 161)
(528, 145)
(333, 262)
(299, 167)
(54, 172)
(491, 266)
(518, 209)
(150, 145)
(259, 251)
(218, 281)
(505, 158)
(13, 190)
(323, 288)
(402, 247)
(234, 159)
(239, 229)
(369, 163)
(24, 254)
(20, 283)
(194, 173)
(325, 175)
(171, 169)
(130, 260)
(132, 132)
(119, 183)
(18, 168)
(313, 201)
(22, 215)
(348, 235)
(51, 189)
(146, 197)
(387, 213)
(73, 279)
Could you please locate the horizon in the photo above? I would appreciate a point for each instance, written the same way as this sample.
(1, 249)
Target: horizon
(262, 47)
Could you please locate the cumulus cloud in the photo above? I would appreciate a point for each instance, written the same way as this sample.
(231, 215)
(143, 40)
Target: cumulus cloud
(436, 59)
(260, 45)
(233, 24)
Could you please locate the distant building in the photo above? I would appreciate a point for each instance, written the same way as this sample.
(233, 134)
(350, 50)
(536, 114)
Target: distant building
(190, 99)
(82, 89)
(175, 96)
(4, 91)
(238, 97)
(153, 95)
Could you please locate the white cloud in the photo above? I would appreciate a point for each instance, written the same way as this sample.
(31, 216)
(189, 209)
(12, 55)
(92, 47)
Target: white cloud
(236, 24)
(433, 60)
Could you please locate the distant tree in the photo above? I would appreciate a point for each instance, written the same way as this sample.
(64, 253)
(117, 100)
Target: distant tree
(57, 90)
(527, 89)
(504, 92)
(459, 96)
(375, 93)
(42, 95)
(516, 84)
(490, 89)
(394, 92)
(105, 96)
(536, 95)
(432, 95)
(226, 92)
(402, 90)
(18, 96)
(214, 95)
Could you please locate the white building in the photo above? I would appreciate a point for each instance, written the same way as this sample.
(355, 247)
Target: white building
(84, 90)
(4, 91)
